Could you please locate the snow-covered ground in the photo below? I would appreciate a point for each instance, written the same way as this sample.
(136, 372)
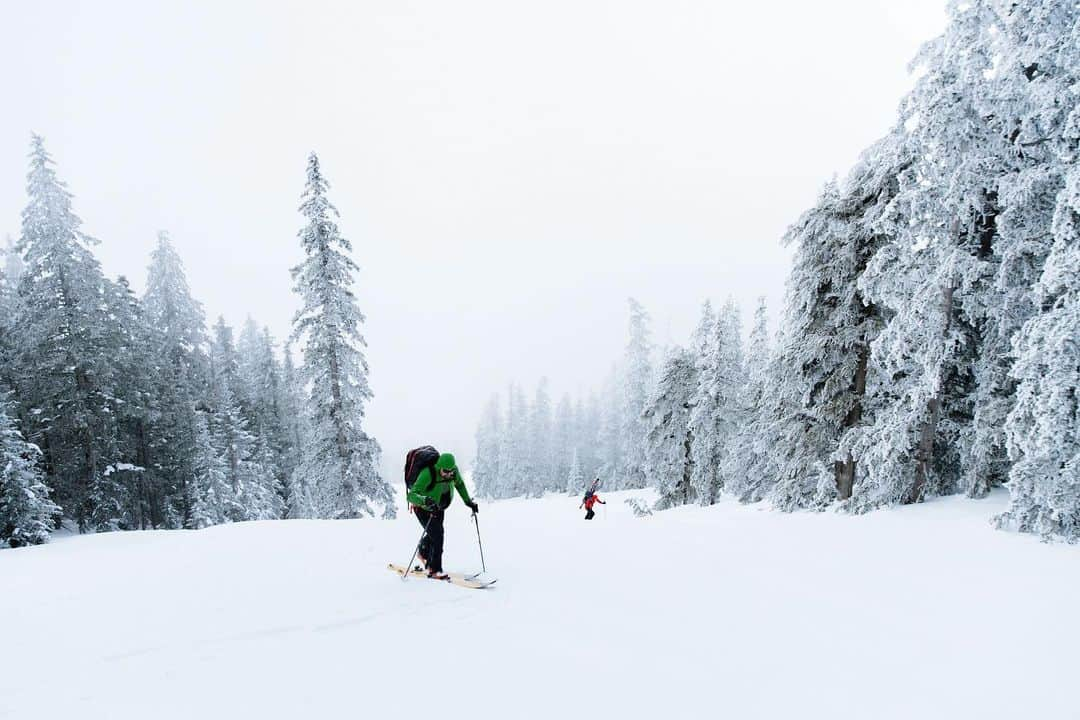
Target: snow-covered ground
(733, 612)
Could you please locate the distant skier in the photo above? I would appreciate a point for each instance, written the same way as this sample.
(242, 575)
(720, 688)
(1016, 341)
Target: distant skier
(429, 495)
(590, 499)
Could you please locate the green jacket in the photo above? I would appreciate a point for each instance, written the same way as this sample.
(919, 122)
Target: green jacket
(435, 488)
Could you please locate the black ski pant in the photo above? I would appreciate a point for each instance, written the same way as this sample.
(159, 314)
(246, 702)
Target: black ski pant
(431, 544)
(589, 514)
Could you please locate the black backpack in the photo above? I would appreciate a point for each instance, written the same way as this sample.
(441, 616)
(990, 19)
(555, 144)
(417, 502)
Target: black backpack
(418, 459)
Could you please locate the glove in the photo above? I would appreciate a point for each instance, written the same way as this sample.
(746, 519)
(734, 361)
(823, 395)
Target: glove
(475, 508)
(430, 505)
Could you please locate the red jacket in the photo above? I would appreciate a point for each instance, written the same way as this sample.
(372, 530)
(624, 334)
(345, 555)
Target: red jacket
(592, 500)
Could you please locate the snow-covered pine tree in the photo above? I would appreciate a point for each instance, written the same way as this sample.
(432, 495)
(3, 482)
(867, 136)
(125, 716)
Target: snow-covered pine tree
(63, 367)
(339, 456)
(486, 473)
(609, 424)
(1043, 427)
(712, 423)
(829, 325)
(126, 496)
(178, 350)
(750, 460)
(517, 446)
(541, 472)
(26, 512)
(1036, 66)
(213, 499)
(587, 441)
(668, 447)
(575, 478)
(249, 468)
(260, 378)
(935, 280)
(637, 386)
(563, 437)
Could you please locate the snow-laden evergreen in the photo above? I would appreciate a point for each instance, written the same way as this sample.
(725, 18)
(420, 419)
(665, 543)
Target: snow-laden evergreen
(668, 440)
(64, 371)
(26, 512)
(1044, 426)
(637, 381)
(340, 461)
(713, 415)
(486, 474)
(830, 323)
(750, 462)
(178, 352)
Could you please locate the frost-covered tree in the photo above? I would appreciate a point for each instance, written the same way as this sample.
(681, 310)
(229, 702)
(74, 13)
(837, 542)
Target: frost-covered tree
(178, 346)
(637, 386)
(575, 478)
(214, 500)
(829, 325)
(610, 442)
(563, 439)
(713, 422)
(26, 512)
(126, 495)
(750, 463)
(1044, 426)
(668, 441)
(944, 380)
(586, 438)
(340, 458)
(486, 472)
(249, 464)
(63, 364)
(541, 470)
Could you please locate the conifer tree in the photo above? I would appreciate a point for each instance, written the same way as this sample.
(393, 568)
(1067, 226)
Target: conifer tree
(668, 454)
(637, 379)
(63, 368)
(339, 456)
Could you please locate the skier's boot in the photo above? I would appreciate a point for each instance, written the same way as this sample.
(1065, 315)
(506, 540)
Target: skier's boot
(437, 575)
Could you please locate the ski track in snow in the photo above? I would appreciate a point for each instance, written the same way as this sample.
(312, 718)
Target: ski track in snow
(728, 611)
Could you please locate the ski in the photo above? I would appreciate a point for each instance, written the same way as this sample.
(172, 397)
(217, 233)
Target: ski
(460, 579)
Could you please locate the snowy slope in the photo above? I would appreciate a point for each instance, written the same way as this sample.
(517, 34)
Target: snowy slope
(730, 611)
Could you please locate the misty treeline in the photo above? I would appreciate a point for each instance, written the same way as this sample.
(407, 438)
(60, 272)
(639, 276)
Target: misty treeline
(930, 339)
(126, 412)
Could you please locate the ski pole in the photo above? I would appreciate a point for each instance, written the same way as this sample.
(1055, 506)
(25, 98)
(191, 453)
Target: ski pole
(476, 521)
(408, 568)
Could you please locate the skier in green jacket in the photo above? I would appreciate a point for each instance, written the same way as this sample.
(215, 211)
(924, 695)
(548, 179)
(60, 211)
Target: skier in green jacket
(429, 497)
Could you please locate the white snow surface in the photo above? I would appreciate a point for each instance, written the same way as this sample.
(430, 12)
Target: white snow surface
(730, 611)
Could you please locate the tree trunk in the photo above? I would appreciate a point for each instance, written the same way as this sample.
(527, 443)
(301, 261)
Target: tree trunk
(845, 470)
(924, 452)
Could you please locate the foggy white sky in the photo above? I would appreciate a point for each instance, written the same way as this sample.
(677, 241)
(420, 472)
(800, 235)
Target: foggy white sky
(508, 172)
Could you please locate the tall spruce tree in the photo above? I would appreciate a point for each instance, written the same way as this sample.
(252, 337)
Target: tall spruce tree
(749, 460)
(637, 386)
(829, 324)
(339, 457)
(63, 367)
(486, 472)
(178, 349)
(668, 441)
